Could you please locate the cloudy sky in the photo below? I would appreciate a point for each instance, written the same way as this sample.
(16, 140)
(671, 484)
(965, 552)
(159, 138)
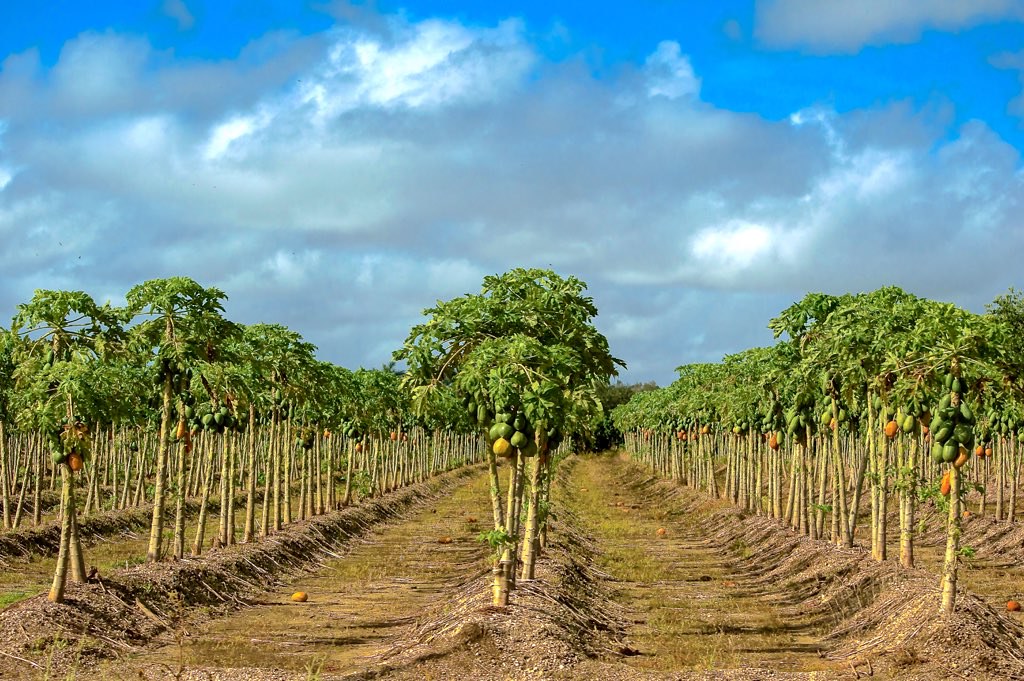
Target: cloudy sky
(337, 167)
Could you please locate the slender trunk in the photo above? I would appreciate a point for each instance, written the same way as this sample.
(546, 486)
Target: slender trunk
(530, 548)
(250, 502)
(949, 566)
(156, 532)
(179, 504)
(197, 544)
(492, 473)
(347, 499)
(60, 574)
(4, 477)
(909, 491)
(275, 467)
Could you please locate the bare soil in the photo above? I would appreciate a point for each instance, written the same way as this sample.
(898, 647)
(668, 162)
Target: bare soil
(400, 589)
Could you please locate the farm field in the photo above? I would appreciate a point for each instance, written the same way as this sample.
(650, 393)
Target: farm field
(624, 599)
(214, 502)
(422, 341)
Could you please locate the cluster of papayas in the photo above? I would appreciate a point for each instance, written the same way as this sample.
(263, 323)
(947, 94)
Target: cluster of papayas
(828, 420)
(512, 431)
(1001, 422)
(952, 425)
(798, 419)
(70, 444)
(215, 416)
(508, 429)
(909, 419)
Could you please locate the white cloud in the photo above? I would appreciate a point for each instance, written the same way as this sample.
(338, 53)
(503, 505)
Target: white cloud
(426, 65)
(669, 73)
(223, 135)
(736, 245)
(847, 26)
(98, 73)
(348, 182)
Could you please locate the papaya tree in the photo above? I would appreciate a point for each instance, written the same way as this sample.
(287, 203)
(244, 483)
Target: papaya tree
(955, 352)
(523, 353)
(178, 323)
(65, 332)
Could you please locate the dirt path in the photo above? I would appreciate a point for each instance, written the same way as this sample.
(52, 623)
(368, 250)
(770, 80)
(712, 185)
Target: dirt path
(358, 603)
(689, 600)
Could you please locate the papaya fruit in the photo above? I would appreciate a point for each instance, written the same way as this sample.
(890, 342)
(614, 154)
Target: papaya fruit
(963, 433)
(945, 485)
(891, 428)
(950, 450)
(501, 447)
(519, 439)
(963, 454)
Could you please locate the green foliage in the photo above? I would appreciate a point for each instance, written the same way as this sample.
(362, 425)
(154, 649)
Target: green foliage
(525, 344)
(498, 540)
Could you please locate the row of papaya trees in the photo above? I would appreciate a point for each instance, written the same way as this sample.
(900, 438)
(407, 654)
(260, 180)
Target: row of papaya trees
(165, 398)
(915, 400)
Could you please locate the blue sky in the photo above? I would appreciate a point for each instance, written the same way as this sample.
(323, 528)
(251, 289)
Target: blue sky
(339, 166)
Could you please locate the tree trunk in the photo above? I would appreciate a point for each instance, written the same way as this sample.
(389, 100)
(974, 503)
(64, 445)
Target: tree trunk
(60, 574)
(250, 502)
(532, 520)
(949, 566)
(156, 531)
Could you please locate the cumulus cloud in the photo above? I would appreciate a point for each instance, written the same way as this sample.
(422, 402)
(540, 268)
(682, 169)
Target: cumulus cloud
(341, 183)
(828, 27)
(670, 73)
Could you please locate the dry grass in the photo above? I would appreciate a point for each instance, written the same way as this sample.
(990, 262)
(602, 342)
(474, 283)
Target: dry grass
(691, 608)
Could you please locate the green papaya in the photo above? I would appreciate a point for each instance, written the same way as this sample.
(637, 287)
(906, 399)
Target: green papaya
(950, 450)
(963, 433)
(908, 423)
(937, 453)
(966, 414)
